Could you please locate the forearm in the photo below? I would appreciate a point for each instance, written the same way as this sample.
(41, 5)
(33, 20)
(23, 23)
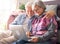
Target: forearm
(16, 20)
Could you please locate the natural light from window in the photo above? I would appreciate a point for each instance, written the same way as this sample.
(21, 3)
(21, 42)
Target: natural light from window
(6, 7)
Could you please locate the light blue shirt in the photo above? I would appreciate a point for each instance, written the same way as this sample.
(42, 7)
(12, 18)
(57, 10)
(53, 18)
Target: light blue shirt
(20, 20)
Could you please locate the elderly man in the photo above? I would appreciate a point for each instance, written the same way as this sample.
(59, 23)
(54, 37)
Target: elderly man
(22, 19)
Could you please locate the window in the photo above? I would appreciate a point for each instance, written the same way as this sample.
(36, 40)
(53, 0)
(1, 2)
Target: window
(6, 6)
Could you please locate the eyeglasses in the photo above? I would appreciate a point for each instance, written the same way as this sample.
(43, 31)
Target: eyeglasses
(37, 9)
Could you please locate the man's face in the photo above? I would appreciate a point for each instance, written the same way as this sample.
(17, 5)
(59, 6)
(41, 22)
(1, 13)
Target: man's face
(38, 10)
(29, 11)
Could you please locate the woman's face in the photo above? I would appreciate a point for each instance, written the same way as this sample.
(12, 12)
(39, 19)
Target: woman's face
(38, 10)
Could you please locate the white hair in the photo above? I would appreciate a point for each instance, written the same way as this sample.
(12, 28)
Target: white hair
(38, 3)
(28, 4)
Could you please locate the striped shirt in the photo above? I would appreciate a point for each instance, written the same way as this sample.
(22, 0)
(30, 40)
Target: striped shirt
(39, 25)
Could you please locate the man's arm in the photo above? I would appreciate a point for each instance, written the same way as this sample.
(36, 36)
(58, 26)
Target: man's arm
(49, 14)
(19, 19)
(16, 20)
(51, 10)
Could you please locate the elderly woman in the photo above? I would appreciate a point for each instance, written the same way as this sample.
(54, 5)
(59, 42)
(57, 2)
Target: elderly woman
(43, 28)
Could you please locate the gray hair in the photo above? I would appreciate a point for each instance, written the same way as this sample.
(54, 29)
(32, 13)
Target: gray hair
(28, 4)
(38, 3)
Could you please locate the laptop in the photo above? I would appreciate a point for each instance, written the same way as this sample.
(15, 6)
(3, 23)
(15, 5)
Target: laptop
(19, 31)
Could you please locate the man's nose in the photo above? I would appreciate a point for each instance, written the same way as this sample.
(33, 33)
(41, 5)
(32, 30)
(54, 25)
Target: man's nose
(29, 12)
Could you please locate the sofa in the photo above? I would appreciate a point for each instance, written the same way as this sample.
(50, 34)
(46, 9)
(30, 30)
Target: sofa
(58, 33)
(57, 39)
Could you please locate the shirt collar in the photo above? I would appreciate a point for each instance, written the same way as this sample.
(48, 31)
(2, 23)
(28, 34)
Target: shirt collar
(41, 15)
(32, 16)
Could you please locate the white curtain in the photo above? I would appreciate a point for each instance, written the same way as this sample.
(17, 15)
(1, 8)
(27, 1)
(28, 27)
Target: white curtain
(6, 7)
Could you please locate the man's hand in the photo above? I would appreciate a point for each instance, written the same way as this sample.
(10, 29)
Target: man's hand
(49, 14)
(34, 39)
(28, 34)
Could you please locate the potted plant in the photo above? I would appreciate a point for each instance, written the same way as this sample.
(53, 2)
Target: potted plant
(22, 7)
